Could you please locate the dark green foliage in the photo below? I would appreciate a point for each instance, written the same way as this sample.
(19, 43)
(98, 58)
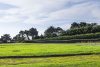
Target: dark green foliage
(81, 24)
(81, 36)
(82, 28)
(26, 35)
(53, 32)
(77, 31)
(74, 25)
(6, 38)
(18, 38)
(33, 32)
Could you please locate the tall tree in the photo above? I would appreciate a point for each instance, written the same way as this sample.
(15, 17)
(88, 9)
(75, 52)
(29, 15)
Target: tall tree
(53, 32)
(33, 33)
(59, 31)
(27, 34)
(6, 38)
(18, 38)
(83, 24)
(41, 36)
(22, 33)
(74, 25)
(50, 32)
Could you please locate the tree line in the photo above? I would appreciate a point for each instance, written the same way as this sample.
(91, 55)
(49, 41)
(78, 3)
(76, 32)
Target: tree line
(55, 32)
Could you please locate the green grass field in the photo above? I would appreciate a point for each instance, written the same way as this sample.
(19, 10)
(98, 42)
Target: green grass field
(47, 49)
(73, 61)
(44, 49)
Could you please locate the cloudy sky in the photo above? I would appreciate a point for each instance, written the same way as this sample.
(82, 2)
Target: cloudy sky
(16, 15)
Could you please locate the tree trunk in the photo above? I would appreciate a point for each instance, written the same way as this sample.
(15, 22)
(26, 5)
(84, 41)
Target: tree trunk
(32, 37)
(28, 37)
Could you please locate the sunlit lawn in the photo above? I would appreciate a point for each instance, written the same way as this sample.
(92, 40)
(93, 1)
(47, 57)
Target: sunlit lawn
(46, 49)
(36, 49)
(69, 61)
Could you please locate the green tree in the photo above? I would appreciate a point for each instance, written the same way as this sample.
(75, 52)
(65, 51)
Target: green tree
(50, 32)
(18, 38)
(41, 36)
(27, 34)
(33, 33)
(83, 24)
(6, 38)
(21, 35)
(59, 31)
(53, 32)
(74, 25)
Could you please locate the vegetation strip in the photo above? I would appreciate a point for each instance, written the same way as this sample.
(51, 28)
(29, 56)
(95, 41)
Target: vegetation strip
(78, 32)
(58, 55)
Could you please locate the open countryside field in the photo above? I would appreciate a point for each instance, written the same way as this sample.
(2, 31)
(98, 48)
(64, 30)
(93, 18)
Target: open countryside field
(50, 55)
(44, 49)
(68, 61)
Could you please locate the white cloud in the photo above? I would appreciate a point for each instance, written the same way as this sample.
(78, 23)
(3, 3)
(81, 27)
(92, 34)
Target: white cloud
(81, 12)
(50, 12)
(36, 9)
(96, 13)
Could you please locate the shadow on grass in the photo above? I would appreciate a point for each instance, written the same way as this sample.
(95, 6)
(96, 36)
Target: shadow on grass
(46, 56)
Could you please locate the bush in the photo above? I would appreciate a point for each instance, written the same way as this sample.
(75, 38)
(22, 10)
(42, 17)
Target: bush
(81, 36)
(83, 30)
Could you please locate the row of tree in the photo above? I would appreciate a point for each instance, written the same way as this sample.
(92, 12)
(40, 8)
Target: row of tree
(82, 24)
(26, 35)
(75, 29)
(22, 36)
(31, 34)
(82, 28)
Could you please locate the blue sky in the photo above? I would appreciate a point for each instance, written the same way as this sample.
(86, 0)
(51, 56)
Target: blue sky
(16, 15)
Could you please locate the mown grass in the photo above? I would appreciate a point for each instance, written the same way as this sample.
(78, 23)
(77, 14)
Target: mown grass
(69, 61)
(38, 49)
(44, 49)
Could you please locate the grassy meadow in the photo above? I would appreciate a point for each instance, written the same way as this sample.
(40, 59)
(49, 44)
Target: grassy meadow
(46, 49)
(73, 61)
(38, 49)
